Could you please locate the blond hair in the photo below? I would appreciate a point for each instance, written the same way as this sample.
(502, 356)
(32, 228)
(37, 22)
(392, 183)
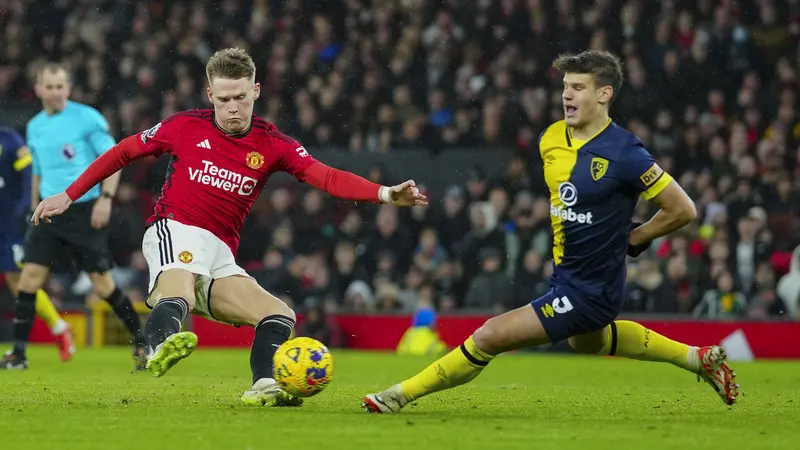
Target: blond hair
(230, 63)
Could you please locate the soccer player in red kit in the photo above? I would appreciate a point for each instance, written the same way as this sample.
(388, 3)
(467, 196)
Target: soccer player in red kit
(220, 160)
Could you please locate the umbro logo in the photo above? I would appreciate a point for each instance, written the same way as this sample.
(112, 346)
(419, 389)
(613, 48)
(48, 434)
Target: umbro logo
(204, 144)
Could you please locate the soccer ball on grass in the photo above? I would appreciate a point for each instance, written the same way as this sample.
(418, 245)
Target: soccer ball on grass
(303, 366)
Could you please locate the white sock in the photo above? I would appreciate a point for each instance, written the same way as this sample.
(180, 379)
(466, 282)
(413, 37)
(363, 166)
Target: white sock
(60, 327)
(693, 359)
(264, 382)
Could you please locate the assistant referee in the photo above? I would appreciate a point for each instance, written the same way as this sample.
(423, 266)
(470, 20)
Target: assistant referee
(64, 139)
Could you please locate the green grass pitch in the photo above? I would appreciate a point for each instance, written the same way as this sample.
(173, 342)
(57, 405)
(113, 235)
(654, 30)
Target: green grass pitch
(520, 401)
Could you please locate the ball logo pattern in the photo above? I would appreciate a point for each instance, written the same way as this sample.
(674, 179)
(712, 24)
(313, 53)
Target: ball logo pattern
(303, 366)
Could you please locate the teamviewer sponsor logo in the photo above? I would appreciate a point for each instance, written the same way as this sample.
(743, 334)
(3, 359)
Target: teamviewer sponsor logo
(224, 179)
(568, 195)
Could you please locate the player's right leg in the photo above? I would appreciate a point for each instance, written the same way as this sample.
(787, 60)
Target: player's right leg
(634, 341)
(513, 330)
(177, 257)
(172, 299)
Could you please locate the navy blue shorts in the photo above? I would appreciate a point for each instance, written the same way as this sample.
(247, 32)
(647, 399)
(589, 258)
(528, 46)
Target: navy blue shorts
(565, 313)
(11, 252)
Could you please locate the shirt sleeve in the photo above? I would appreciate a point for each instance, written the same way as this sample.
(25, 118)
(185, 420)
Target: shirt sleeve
(161, 138)
(643, 173)
(293, 158)
(99, 135)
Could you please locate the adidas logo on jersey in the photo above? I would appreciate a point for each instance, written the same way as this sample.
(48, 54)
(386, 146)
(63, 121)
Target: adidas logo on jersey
(204, 144)
(224, 179)
(569, 215)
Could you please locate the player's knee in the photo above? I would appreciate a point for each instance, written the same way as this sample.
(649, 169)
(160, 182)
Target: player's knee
(32, 278)
(270, 308)
(157, 296)
(589, 344)
(189, 299)
(488, 336)
(103, 283)
(171, 284)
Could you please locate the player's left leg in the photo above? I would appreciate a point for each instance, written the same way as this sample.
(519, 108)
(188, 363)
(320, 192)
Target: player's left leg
(513, 330)
(239, 300)
(632, 340)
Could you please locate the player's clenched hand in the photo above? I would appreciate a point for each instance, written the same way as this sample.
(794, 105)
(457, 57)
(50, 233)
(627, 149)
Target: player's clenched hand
(406, 194)
(636, 250)
(101, 213)
(54, 205)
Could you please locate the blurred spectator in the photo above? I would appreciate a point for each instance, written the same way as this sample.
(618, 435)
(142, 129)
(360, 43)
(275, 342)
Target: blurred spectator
(484, 233)
(388, 238)
(722, 302)
(530, 282)
(429, 254)
(421, 339)
(765, 303)
(317, 324)
(491, 289)
(453, 224)
(789, 287)
(346, 268)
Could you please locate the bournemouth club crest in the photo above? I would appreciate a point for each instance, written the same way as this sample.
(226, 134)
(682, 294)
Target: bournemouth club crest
(255, 160)
(599, 168)
(185, 257)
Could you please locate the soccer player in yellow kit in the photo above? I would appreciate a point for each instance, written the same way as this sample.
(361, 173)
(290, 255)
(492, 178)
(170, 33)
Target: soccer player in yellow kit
(595, 171)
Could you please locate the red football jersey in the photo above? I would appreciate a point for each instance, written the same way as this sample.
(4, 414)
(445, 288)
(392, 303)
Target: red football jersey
(214, 177)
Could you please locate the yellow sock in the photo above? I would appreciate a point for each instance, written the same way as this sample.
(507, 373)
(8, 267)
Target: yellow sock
(632, 340)
(459, 366)
(45, 308)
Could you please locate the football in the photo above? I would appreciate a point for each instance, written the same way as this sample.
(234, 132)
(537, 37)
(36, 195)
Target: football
(303, 366)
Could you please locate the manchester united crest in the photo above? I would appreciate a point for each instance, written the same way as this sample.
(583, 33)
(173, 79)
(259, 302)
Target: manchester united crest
(255, 160)
(185, 257)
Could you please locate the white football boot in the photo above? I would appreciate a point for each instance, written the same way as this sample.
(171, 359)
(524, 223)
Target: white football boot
(389, 401)
(267, 392)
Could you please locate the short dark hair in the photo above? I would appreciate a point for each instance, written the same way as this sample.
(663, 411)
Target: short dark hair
(605, 67)
(51, 67)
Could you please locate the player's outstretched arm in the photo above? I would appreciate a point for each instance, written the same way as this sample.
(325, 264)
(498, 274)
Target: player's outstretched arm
(349, 186)
(677, 211)
(103, 167)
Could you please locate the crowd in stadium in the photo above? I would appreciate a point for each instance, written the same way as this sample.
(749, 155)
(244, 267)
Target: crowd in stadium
(711, 89)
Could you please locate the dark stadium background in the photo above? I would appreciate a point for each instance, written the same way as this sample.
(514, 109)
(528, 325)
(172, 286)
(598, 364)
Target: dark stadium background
(454, 94)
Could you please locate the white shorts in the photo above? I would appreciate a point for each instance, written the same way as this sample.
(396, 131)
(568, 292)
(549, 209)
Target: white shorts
(168, 244)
